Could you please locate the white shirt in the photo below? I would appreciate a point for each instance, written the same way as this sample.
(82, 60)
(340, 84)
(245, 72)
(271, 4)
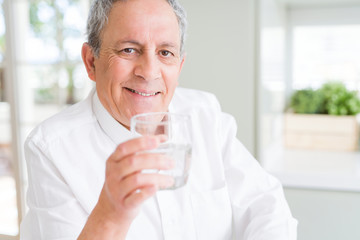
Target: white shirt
(228, 194)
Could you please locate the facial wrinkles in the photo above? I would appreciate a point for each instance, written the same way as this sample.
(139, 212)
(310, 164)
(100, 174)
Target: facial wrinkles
(108, 93)
(111, 57)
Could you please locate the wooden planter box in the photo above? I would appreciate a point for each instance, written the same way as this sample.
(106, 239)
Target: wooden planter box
(323, 132)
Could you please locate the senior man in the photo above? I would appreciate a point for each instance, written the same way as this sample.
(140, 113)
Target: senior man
(85, 168)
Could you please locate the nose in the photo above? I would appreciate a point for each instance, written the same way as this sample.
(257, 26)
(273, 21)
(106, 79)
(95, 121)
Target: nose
(148, 67)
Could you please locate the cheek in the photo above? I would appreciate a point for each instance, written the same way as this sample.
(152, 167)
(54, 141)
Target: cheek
(171, 78)
(114, 63)
(117, 71)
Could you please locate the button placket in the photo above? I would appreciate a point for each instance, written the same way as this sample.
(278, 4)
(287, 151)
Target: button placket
(176, 214)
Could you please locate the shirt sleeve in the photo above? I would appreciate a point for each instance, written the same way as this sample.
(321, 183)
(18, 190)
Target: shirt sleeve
(260, 210)
(54, 213)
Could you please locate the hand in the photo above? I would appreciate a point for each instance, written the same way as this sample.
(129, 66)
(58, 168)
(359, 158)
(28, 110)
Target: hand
(126, 187)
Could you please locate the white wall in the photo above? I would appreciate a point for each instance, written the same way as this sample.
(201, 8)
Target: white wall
(220, 57)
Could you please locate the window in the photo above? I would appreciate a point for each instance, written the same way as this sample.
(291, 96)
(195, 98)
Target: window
(40, 73)
(325, 53)
(56, 33)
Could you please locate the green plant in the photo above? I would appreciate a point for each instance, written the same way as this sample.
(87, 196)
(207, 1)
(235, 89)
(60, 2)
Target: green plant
(339, 100)
(307, 101)
(332, 98)
(45, 95)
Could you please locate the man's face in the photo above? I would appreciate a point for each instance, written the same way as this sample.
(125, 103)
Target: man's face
(139, 62)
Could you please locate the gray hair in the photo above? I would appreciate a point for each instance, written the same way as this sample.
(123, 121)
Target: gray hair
(98, 17)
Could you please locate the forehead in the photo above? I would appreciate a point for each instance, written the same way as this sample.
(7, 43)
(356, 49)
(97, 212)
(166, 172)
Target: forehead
(142, 19)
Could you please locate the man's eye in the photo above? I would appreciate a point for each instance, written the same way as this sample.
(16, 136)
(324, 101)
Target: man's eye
(128, 50)
(165, 53)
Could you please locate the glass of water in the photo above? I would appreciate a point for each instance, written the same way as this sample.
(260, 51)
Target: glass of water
(177, 128)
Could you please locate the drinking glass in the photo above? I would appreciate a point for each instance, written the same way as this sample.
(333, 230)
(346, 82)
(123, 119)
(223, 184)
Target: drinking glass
(177, 129)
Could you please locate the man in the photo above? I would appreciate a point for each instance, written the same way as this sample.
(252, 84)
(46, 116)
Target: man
(85, 168)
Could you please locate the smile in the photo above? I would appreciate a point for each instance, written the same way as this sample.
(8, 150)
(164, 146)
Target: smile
(141, 93)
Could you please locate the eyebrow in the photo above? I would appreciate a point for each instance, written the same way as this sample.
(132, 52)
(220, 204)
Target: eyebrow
(169, 44)
(127, 41)
(163, 44)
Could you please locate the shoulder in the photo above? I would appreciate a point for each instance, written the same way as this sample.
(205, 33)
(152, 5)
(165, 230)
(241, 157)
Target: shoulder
(192, 98)
(61, 125)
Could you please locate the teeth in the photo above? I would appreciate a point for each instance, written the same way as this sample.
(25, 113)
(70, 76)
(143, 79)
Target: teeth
(142, 94)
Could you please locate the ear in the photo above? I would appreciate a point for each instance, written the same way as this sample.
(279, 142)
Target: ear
(180, 68)
(182, 62)
(89, 60)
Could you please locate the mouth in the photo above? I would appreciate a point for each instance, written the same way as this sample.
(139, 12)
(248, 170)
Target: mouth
(143, 93)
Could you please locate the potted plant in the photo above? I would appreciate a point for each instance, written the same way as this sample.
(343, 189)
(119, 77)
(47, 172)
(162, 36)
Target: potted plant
(323, 119)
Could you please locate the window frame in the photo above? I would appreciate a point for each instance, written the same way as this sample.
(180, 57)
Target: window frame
(11, 91)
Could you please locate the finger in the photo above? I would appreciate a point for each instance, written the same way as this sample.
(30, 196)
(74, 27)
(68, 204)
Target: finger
(162, 138)
(137, 197)
(141, 180)
(135, 145)
(139, 162)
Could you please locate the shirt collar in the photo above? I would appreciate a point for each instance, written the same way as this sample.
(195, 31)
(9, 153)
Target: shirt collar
(117, 132)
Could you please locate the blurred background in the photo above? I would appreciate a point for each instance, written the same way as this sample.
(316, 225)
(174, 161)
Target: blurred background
(253, 54)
